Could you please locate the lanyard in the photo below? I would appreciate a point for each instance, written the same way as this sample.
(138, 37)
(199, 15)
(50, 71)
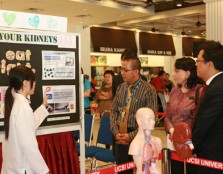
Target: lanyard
(134, 90)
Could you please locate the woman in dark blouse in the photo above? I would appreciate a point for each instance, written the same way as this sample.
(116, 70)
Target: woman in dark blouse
(104, 94)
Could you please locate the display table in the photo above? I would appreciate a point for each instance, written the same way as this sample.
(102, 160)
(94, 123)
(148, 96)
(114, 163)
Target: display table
(59, 152)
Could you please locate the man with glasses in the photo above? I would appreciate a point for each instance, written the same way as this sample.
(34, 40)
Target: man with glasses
(117, 80)
(207, 131)
(131, 95)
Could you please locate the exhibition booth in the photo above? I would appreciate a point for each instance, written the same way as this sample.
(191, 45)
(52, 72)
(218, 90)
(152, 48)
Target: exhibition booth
(55, 58)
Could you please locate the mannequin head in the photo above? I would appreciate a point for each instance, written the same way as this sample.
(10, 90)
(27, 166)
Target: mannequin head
(145, 118)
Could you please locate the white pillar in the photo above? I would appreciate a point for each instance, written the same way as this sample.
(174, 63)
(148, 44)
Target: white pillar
(85, 46)
(214, 20)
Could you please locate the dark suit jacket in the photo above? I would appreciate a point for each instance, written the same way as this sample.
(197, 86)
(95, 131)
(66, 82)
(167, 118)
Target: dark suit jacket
(207, 132)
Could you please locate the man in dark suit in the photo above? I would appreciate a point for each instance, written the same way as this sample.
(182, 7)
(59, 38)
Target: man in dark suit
(207, 130)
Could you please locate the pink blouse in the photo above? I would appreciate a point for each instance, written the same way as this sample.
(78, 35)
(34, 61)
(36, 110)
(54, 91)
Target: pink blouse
(180, 107)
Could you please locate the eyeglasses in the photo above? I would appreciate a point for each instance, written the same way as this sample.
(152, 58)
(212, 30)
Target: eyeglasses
(125, 70)
(200, 60)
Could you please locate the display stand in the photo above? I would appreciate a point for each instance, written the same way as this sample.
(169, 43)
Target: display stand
(55, 58)
(82, 133)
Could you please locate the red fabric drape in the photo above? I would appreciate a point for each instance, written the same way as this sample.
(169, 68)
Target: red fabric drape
(59, 152)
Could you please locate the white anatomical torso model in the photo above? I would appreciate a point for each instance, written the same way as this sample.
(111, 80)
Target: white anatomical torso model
(145, 148)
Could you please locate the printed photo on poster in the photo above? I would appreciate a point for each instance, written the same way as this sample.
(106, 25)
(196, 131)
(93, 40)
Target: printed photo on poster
(2, 100)
(61, 99)
(58, 65)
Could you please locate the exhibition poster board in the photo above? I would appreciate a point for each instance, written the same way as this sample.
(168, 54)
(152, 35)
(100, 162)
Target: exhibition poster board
(54, 57)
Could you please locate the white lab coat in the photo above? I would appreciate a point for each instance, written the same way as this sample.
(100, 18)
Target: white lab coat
(20, 152)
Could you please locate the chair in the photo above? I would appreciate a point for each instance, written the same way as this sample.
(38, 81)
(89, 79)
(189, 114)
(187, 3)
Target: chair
(89, 111)
(161, 115)
(105, 137)
(88, 127)
(105, 156)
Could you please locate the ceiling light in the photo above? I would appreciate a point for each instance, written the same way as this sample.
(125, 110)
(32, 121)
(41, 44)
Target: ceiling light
(35, 10)
(179, 3)
(38, 2)
(83, 16)
(149, 2)
(183, 32)
(153, 29)
(198, 23)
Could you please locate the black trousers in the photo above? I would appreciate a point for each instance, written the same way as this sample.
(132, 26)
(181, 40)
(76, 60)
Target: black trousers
(177, 167)
(121, 153)
(122, 156)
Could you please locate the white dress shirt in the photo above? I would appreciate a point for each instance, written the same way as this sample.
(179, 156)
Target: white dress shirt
(212, 77)
(20, 151)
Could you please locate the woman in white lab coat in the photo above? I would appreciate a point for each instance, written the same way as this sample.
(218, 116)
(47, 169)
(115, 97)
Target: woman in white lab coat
(20, 149)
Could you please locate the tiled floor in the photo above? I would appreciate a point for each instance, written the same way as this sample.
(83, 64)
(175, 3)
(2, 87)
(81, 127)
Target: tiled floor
(158, 131)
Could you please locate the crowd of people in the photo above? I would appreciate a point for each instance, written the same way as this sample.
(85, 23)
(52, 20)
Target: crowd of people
(196, 100)
(105, 94)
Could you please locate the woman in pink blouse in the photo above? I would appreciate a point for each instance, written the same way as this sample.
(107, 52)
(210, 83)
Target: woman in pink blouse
(181, 105)
(182, 101)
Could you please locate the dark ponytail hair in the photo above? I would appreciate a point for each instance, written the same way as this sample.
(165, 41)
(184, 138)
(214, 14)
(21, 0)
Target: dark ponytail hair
(8, 107)
(16, 77)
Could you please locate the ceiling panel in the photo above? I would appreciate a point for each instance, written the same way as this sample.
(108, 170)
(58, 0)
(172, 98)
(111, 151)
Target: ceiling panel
(127, 14)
